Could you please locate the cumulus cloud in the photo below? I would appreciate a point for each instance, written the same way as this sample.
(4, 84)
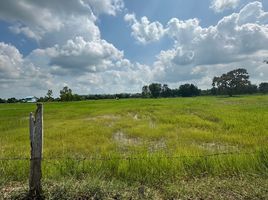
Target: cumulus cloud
(78, 56)
(91, 67)
(110, 7)
(50, 22)
(144, 31)
(10, 61)
(19, 73)
(229, 44)
(183, 31)
(131, 78)
(221, 5)
(71, 51)
(70, 46)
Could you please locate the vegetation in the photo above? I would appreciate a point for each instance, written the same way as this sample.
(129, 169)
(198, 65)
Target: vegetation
(234, 82)
(156, 90)
(189, 90)
(263, 88)
(49, 95)
(220, 188)
(66, 94)
(152, 146)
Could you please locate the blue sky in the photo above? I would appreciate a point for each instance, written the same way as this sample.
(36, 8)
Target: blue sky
(112, 46)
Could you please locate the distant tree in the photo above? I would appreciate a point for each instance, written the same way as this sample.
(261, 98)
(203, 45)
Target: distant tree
(263, 87)
(233, 82)
(2, 100)
(135, 95)
(41, 99)
(251, 89)
(146, 91)
(213, 90)
(189, 90)
(166, 91)
(121, 96)
(49, 95)
(76, 97)
(66, 94)
(155, 89)
(12, 100)
(176, 92)
(206, 92)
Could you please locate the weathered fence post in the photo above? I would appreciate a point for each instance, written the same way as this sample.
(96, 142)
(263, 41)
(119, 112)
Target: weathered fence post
(36, 138)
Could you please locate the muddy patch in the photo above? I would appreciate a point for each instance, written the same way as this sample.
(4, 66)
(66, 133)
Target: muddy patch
(108, 117)
(134, 116)
(124, 139)
(218, 147)
(158, 145)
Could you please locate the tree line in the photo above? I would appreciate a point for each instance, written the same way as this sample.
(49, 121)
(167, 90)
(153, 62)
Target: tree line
(234, 82)
(156, 90)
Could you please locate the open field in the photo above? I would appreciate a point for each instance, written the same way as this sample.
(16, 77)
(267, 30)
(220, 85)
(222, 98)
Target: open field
(143, 141)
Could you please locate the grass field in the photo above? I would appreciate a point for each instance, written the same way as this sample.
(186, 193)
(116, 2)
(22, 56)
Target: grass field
(142, 141)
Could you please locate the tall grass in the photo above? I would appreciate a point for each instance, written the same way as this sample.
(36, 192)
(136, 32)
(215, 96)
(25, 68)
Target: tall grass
(158, 139)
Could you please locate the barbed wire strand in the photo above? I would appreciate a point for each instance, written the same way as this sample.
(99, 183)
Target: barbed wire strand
(149, 156)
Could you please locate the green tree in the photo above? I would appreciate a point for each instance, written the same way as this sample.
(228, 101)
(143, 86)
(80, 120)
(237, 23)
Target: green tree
(233, 82)
(263, 87)
(146, 91)
(188, 90)
(2, 100)
(66, 94)
(49, 95)
(12, 100)
(155, 89)
(76, 97)
(166, 91)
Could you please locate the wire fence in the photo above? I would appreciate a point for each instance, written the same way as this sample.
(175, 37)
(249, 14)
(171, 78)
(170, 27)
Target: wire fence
(132, 157)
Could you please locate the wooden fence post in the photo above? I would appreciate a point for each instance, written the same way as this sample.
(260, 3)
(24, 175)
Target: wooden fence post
(36, 138)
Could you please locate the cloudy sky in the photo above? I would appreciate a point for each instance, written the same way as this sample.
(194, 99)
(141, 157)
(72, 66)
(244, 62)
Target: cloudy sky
(114, 46)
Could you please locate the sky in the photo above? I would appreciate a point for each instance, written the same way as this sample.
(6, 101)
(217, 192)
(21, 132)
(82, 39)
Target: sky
(116, 46)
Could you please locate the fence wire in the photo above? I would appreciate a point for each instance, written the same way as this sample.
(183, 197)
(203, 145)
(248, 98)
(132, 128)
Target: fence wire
(135, 157)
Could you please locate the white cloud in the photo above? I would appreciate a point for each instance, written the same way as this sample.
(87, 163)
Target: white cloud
(236, 41)
(10, 61)
(78, 56)
(131, 79)
(253, 13)
(19, 29)
(72, 51)
(183, 31)
(91, 67)
(18, 76)
(54, 22)
(221, 5)
(144, 31)
(110, 7)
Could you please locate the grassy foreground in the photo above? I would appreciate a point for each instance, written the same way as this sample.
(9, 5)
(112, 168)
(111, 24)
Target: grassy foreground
(220, 188)
(153, 143)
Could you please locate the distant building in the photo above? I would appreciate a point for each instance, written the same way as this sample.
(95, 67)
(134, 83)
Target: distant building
(30, 99)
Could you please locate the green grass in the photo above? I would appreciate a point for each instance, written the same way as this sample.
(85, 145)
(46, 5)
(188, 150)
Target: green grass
(165, 139)
(220, 188)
